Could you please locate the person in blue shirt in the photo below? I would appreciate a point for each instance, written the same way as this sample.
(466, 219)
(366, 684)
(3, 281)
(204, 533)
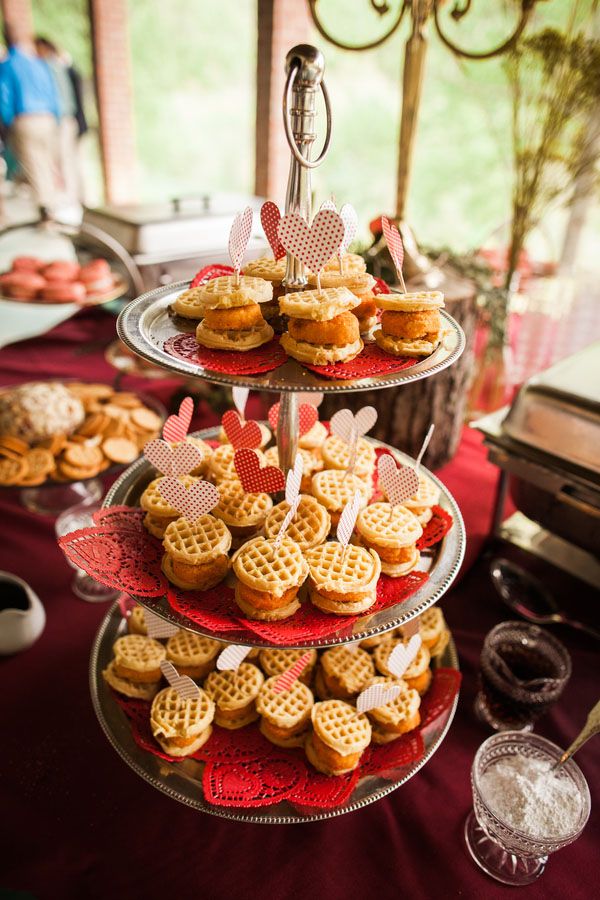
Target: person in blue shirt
(30, 112)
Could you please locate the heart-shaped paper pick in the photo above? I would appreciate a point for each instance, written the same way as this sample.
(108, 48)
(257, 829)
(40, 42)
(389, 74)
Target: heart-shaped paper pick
(398, 484)
(232, 656)
(347, 426)
(316, 245)
(240, 398)
(350, 220)
(240, 434)
(239, 237)
(292, 495)
(395, 246)
(377, 695)
(307, 416)
(270, 218)
(181, 684)
(348, 519)
(191, 502)
(256, 479)
(169, 460)
(287, 678)
(402, 655)
(329, 204)
(158, 628)
(176, 427)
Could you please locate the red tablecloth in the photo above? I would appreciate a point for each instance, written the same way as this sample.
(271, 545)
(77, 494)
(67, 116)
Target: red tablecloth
(76, 822)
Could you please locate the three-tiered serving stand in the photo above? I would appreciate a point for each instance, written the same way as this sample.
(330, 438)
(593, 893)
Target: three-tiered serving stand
(144, 326)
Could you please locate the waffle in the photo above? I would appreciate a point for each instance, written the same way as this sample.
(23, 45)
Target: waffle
(377, 639)
(336, 455)
(412, 302)
(189, 304)
(285, 715)
(277, 660)
(269, 568)
(223, 293)
(392, 532)
(318, 306)
(431, 626)
(355, 281)
(346, 671)
(136, 622)
(399, 716)
(340, 734)
(221, 466)
(240, 510)
(138, 658)
(343, 580)
(156, 505)
(181, 726)
(418, 674)
(308, 528)
(138, 690)
(206, 451)
(232, 339)
(311, 463)
(234, 693)
(192, 654)
(265, 435)
(320, 354)
(333, 488)
(396, 346)
(313, 438)
(352, 262)
(265, 267)
(426, 497)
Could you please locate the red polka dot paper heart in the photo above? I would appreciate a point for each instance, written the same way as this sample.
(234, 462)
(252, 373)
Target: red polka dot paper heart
(256, 479)
(241, 434)
(270, 218)
(314, 245)
(176, 426)
(307, 417)
(252, 783)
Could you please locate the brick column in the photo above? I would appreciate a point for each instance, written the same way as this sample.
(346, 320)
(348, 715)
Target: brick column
(281, 25)
(18, 13)
(114, 90)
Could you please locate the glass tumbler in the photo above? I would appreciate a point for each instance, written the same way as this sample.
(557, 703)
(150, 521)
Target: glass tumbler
(524, 669)
(503, 852)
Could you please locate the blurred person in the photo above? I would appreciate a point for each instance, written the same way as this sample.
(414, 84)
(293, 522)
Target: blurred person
(72, 116)
(29, 110)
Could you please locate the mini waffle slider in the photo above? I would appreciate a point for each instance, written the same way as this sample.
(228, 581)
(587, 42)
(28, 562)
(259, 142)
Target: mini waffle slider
(321, 327)
(339, 737)
(234, 693)
(410, 323)
(417, 676)
(181, 726)
(268, 578)
(342, 579)
(231, 314)
(195, 555)
(285, 715)
(399, 716)
(392, 532)
(160, 513)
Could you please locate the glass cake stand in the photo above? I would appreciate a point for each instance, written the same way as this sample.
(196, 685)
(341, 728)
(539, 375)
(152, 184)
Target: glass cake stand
(183, 780)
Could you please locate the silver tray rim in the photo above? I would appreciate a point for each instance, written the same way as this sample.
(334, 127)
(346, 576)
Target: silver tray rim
(137, 759)
(450, 557)
(133, 336)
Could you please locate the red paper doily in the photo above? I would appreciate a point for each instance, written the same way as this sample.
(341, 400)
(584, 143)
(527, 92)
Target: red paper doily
(369, 362)
(243, 769)
(438, 527)
(250, 362)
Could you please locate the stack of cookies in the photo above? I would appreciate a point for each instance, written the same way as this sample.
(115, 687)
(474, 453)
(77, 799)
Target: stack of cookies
(321, 327)
(410, 323)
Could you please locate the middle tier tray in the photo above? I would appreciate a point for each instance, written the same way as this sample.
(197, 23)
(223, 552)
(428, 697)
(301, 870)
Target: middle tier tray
(147, 323)
(442, 563)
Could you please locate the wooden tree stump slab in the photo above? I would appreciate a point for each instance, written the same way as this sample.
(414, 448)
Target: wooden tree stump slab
(405, 412)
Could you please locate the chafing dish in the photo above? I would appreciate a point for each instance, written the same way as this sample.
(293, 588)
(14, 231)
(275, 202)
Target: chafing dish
(547, 445)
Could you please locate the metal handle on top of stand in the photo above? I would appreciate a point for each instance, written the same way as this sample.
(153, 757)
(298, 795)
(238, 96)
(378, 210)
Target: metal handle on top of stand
(304, 66)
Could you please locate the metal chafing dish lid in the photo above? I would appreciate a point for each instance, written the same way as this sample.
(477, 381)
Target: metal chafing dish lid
(182, 226)
(558, 411)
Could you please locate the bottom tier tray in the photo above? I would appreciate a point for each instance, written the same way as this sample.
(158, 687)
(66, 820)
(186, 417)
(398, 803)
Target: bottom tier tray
(183, 781)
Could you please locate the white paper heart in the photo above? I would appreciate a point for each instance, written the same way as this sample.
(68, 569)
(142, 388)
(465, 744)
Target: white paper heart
(377, 695)
(398, 484)
(344, 424)
(316, 245)
(182, 684)
(286, 520)
(315, 398)
(191, 502)
(232, 656)
(239, 237)
(158, 628)
(294, 479)
(179, 460)
(328, 204)
(240, 398)
(402, 655)
(350, 220)
(348, 519)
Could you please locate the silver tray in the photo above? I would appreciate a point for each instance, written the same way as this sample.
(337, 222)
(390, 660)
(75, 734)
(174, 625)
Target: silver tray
(445, 557)
(146, 323)
(183, 780)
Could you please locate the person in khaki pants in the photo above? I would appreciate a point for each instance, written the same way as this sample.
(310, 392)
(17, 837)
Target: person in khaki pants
(29, 109)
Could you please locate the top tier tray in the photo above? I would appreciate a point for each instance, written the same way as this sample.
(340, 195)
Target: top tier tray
(146, 323)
